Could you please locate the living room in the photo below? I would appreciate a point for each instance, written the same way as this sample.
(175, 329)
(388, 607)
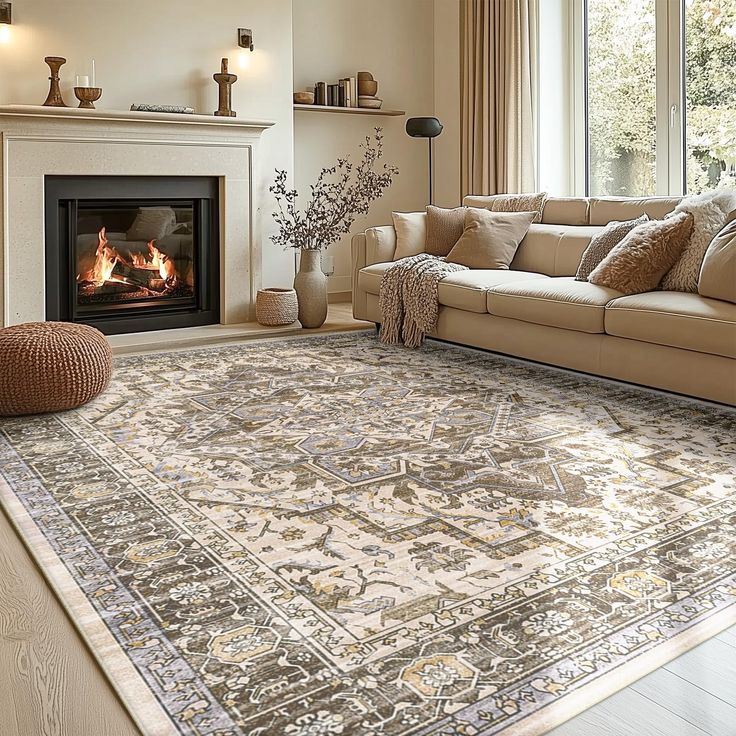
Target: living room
(368, 368)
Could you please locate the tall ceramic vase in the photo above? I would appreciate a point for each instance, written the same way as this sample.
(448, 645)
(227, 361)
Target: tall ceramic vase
(310, 285)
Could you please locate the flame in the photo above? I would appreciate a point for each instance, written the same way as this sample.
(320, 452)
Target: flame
(161, 261)
(106, 258)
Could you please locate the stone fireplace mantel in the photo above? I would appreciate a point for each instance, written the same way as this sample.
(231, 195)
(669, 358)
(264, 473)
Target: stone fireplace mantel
(42, 141)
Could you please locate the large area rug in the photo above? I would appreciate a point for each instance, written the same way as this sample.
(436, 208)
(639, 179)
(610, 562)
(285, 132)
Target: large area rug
(325, 535)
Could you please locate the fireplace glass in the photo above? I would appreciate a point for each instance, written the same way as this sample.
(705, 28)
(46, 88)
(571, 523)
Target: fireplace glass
(133, 257)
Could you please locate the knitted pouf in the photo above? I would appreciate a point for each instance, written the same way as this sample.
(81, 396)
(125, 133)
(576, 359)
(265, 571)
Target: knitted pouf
(51, 366)
(276, 307)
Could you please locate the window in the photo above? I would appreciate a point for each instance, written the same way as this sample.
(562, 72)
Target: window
(660, 90)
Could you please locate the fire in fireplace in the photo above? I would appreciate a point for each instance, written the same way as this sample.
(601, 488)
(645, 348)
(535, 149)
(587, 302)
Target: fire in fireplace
(128, 263)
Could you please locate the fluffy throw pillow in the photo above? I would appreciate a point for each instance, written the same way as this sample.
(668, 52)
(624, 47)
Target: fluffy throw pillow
(603, 243)
(718, 273)
(444, 228)
(511, 203)
(152, 223)
(639, 261)
(490, 239)
(411, 233)
(710, 212)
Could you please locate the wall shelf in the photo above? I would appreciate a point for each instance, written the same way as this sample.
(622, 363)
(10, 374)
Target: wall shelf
(348, 110)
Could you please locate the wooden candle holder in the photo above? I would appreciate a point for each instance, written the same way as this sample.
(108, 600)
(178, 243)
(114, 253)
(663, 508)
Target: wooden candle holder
(225, 80)
(87, 96)
(54, 98)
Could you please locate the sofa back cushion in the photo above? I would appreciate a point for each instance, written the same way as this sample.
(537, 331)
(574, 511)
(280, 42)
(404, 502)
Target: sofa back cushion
(718, 272)
(554, 250)
(566, 211)
(607, 209)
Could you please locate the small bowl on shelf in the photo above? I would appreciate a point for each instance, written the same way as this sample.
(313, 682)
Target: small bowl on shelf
(304, 98)
(373, 103)
(367, 87)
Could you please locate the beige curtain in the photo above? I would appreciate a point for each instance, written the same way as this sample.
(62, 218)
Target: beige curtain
(499, 70)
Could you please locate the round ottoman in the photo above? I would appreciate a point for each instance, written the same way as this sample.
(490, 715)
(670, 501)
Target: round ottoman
(51, 366)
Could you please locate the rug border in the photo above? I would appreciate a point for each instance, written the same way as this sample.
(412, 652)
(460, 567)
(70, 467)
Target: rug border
(122, 677)
(578, 701)
(152, 719)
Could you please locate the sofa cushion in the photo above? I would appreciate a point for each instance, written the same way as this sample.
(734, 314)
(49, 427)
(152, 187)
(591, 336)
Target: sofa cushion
(556, 302)
(463, 290)
(606, 209)
(490, 239)
(509, 203)
(717, 278)
(411, 233)
(566, 211)
(676, 319)
(554, 250)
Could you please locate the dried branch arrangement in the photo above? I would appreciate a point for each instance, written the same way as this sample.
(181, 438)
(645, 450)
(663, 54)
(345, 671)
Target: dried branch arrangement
(341, 193)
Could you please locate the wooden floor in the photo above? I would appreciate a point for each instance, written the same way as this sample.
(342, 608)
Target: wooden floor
(50, 685)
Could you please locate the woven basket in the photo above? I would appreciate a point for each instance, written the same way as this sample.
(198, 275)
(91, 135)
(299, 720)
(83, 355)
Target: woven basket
(276, 307)
(51, 366)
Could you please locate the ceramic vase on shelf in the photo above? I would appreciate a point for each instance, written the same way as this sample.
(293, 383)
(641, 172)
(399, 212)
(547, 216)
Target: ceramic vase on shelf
(310, 285)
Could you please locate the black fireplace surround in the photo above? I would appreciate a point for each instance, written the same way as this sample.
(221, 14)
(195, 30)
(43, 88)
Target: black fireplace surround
(132, 254)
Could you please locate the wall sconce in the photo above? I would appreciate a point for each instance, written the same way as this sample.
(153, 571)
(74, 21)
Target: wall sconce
(245, 38)
(6, 18)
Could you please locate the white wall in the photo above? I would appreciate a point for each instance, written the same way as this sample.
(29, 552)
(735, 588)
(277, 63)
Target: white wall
(164, 51)
(393, 40)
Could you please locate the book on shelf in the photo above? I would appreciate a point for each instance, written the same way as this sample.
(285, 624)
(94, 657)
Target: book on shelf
(342, 94)
(320, 93)
(333, 95)
(353, 92)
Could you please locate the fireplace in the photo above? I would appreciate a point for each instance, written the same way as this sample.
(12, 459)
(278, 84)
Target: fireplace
(132, 254)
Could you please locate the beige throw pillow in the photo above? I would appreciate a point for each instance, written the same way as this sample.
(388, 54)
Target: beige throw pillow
(603, 243)
(718, 273)
(510, 203)
(644, 256)
(411, 233)
(490, 239)
(444, 228)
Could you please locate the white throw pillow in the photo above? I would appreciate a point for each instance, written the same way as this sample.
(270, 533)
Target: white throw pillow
(152, 223)
(411, 233)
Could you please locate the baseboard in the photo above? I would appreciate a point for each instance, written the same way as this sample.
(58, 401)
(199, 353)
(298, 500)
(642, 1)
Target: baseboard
(340, 297)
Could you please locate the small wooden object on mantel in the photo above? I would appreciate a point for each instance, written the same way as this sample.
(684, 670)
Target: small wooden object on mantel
(225, 80)
(54, 98)
(87, 96)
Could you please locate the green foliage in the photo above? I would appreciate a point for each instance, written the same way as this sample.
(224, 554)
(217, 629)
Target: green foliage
(622, 94)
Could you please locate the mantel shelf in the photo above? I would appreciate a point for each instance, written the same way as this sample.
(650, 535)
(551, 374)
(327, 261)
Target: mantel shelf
(349, 110)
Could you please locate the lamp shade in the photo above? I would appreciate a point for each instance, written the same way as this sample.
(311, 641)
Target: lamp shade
(423, 127)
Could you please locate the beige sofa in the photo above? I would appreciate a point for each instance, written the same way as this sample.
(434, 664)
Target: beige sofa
(536, 310)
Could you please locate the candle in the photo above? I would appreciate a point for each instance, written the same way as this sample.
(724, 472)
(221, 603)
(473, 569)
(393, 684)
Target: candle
(94, 74)
(82, 80)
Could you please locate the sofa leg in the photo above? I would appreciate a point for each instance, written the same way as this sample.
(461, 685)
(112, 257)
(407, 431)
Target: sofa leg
(378, 327)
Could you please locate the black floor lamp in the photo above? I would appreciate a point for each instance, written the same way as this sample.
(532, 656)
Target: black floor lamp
(428, 128)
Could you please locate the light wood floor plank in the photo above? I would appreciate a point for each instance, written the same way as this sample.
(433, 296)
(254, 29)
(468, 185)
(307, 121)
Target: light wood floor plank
(728, 636)
(712, 667)
(689, 702)
(49, 683)
(628, 713)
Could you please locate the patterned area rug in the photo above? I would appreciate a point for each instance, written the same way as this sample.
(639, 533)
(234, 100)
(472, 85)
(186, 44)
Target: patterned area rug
(329, 536)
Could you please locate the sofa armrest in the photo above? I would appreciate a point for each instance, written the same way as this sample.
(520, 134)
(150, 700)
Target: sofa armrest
(375, 245)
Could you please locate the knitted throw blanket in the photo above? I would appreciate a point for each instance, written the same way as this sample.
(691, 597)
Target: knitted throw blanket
(408, 298)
